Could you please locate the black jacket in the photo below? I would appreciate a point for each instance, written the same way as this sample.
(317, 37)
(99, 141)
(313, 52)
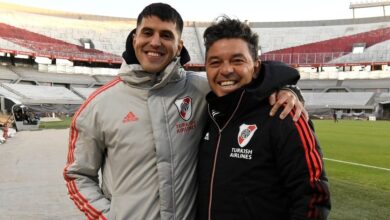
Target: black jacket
(253, 166)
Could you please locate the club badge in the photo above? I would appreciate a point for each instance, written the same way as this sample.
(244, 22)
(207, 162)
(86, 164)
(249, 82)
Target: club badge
(245, 134)
(184, 106)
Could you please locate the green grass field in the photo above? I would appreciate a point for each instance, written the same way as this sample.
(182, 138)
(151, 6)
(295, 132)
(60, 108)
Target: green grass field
(359, 191)
(64, 123)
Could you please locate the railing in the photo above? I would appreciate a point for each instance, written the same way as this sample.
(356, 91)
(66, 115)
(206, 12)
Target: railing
(293, 59)
(70, 55)
(333, 58)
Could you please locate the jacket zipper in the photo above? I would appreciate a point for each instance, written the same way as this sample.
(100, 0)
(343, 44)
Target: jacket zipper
(212, 174)
(217, 150)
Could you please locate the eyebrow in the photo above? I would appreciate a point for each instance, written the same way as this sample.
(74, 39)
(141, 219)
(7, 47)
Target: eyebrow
(152, 29)
(168, 32)
(236, 55)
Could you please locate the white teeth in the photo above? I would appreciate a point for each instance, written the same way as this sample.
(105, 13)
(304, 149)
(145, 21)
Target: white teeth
(154, 54)
(227, 83)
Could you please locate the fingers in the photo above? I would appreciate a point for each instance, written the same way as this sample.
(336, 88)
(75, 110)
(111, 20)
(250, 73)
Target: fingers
(286, 102)
(272, 98)
(274, 109)
(298, 112)
(277, 99)
(306, 114)
(288, 106)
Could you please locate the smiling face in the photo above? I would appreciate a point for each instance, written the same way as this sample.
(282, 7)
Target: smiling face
(229, 65)
(156, 43)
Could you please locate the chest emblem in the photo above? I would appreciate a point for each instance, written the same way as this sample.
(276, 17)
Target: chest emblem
(245, 134)
(184, 106)
(130, 117)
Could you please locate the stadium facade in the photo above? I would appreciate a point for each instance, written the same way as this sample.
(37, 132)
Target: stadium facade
(53, 60)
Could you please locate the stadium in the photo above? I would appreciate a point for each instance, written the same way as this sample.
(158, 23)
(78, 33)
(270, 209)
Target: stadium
(52, 61)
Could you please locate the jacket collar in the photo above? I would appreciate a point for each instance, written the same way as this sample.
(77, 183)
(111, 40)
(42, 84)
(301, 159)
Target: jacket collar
(136, 76)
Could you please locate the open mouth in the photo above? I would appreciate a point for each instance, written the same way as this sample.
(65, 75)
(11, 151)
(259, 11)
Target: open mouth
(154, 54)
(227, 83)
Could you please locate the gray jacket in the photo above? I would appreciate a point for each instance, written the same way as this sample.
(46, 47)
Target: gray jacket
(142, 131)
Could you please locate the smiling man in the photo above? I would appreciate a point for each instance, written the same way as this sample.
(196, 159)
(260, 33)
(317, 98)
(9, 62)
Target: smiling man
(251, 165)
(142, 130)
(156, 42)
(230, 66)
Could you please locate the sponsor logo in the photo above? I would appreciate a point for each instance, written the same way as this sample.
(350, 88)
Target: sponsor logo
(241, 153)
(214, 113)
(207, 136)
(185, 127)
(245, 134)
(130, 117)
(184, 106)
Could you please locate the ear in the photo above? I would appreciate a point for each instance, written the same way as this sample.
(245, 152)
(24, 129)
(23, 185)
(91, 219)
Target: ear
(256, 69)
(134, 36)
(179, 47)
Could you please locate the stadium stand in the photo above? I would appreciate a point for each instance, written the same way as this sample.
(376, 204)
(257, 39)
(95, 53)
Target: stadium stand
(329, 50)
(339, 100)
(194, 42)
(353, 85)
(62, 57)
(378, 52)
(42, 99)
(6, 93)
(50, 47)
(84, 92)
(8, 46)
(103, 79)
(317, 85)
(43, 94)
(42, 78)
(7, 75)
(316, 42)
(374, 85)
(348, 103)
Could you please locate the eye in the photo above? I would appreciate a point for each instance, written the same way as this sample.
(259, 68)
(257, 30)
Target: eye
(213, 63)
(238, 61)
(167, 35)
(147, 32)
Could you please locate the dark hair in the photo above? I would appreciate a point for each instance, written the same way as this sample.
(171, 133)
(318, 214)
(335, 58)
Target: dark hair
(163, 11)
(227, 28)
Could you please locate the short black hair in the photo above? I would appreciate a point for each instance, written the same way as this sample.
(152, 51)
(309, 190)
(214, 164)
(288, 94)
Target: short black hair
(163, 11)
(227, 28)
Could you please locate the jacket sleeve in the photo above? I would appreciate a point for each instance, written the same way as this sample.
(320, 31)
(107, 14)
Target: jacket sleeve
(84, 160)
(301, 167)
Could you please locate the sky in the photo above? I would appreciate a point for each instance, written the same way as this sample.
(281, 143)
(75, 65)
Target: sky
(207, 10)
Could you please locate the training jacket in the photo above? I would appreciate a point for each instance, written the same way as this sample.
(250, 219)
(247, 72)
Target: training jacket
(142, 130)
(256, 167)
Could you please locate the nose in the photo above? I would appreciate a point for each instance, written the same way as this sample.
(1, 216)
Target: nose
(155, 41)
(226, 68)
